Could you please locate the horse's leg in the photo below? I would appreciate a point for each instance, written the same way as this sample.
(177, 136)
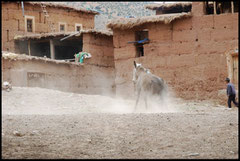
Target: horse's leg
(145, 99)
(138, 95)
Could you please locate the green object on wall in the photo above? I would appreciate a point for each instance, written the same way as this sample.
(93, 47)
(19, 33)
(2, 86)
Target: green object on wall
(81, 55)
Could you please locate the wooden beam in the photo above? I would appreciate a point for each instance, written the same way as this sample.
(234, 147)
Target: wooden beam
(214, 7)
(52, 49)
(232, 6)
(29, 48)
(67, 43)
(79, 32)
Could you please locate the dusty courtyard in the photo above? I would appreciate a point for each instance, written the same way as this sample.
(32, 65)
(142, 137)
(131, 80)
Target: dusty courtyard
(41, 123)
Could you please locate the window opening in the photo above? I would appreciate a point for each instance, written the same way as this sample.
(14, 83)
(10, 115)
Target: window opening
(141, 39)
(68, 48)
(78, 27)
(214, 7)
(40, 49)
(62, 27)
(29, 25)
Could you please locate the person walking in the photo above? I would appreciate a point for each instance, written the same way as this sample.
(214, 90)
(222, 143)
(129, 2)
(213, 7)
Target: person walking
(231, 93)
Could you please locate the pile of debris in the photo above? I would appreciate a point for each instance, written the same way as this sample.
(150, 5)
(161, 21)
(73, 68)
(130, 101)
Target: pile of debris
(6, 86)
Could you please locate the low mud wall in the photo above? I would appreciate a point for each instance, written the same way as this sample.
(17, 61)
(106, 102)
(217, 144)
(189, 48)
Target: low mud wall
(30, 71)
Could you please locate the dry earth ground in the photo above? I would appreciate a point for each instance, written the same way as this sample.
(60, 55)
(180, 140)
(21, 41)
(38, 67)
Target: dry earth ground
(48, 124)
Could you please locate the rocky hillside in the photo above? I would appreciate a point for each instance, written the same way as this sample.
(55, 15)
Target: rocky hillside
(110, 10)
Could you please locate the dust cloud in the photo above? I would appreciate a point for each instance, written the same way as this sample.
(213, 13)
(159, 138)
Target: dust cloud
(165, 103)
(117, 104)
(35, 100)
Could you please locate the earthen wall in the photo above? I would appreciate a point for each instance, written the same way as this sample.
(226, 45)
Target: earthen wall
(101, 49)
(68, 77)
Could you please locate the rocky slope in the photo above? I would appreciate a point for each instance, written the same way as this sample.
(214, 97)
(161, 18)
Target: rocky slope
(110, 10)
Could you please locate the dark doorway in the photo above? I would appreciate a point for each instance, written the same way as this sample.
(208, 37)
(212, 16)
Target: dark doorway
(65, 52)
(40, 49)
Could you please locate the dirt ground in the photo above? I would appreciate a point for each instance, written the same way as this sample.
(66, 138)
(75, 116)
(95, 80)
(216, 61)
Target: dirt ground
(48, 124)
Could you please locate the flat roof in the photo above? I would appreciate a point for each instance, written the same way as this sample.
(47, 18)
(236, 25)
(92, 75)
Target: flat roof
(37, 36)
(128, 23)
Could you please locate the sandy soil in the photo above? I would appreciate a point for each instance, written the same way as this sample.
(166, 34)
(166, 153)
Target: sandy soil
(48, 124)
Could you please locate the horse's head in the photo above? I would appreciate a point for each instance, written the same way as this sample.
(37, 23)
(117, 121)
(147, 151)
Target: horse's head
(138, 69)
(135, 73)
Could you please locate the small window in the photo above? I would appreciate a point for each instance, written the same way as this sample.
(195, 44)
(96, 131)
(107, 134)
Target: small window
(29, 24)
(141, 39)
(62, 27)
(221, 7)
(78, 27)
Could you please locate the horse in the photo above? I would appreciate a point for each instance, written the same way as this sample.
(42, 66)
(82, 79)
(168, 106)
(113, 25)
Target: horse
(148, 84)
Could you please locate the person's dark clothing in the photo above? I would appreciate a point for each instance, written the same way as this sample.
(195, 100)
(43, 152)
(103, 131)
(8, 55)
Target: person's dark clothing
(231, 99)
(231, 95)
(230, 89)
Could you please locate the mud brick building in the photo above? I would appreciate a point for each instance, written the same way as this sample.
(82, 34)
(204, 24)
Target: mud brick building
(41, 17)
(193, 51)
(45, 38)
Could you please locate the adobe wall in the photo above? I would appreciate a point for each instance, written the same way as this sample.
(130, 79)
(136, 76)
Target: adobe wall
(190, 54)
(101, 49)
(69, 77)
(13, 20)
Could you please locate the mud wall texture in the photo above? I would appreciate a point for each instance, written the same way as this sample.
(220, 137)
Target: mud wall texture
(101, 49)
(13, 21)
(69, 77)
(190, 54)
